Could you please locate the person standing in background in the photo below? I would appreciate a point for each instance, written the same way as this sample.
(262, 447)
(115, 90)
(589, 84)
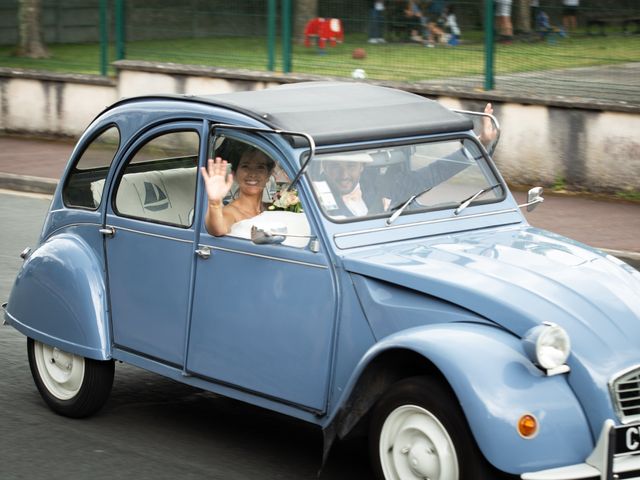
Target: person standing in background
(570, 15)
(376, 25)
(503, 20)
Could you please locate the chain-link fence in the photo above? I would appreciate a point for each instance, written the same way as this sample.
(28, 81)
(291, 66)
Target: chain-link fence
(547, 54)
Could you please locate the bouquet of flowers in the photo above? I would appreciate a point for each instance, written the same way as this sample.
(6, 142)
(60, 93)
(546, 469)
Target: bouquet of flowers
(286, 200)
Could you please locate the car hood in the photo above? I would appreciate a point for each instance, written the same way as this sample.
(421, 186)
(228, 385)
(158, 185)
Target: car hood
(520, 277)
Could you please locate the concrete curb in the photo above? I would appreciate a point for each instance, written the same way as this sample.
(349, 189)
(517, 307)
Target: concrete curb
(28, 183)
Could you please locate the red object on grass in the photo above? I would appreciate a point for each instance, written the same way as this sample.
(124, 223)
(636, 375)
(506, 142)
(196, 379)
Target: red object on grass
(325, 29)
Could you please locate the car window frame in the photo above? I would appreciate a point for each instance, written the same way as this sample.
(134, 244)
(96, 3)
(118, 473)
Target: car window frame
(259, 138)
(78, 158)
(143, 138)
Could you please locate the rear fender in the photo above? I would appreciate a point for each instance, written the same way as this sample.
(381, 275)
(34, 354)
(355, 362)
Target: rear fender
(59, 297)
(496, 384)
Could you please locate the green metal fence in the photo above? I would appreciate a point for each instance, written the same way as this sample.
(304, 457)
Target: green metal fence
(599, 58)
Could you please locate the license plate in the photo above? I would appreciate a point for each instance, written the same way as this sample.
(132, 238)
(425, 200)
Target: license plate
(628, 439)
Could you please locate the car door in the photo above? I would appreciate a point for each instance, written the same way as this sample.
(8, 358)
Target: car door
(263, 316)
(150, 242)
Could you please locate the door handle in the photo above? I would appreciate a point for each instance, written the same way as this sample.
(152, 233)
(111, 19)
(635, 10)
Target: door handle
(108, 231)
(203, 252)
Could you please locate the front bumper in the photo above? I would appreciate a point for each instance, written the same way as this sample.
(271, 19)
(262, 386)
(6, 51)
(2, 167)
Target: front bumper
(602, 464)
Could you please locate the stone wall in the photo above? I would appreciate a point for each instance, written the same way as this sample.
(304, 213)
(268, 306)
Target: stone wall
(543, 142)
(51, 104)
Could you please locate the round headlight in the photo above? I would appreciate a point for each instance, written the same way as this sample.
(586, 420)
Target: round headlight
(547, 345)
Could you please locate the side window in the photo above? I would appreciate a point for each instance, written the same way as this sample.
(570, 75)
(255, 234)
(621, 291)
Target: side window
(85, 183)
(158, 183)
(281, 211)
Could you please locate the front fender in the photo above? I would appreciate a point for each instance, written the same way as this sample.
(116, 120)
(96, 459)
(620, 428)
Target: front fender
(496, 384)
(59, 298)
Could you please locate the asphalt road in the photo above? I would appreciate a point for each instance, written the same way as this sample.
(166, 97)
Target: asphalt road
(151, 427)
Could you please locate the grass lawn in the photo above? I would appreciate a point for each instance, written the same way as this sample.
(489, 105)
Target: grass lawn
(391, 61)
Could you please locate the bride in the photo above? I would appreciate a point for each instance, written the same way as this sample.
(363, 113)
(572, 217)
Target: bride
(251, 172)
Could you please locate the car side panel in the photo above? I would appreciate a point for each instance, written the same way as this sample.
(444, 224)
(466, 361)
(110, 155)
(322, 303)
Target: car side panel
(496, 384)
(59, 295)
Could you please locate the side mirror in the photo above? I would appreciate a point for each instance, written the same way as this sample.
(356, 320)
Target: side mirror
(534, 197)
(275, 236)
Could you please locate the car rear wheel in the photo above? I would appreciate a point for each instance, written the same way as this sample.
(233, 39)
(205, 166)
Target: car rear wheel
(71, 385)
(418, 431)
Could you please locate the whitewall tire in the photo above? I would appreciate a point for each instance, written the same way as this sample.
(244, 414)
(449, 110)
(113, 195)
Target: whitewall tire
(418, 431)
(71, 385)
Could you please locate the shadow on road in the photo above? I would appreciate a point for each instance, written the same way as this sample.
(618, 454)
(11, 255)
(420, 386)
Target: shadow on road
(176, 420)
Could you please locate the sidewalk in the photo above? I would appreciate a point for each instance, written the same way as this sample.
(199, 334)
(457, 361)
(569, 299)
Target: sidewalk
(36, 165)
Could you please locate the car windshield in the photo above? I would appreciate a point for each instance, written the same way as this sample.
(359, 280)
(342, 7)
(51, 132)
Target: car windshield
(376, 182)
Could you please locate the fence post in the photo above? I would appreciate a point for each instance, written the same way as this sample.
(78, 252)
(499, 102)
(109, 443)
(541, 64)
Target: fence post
(286, 36)
(489, 45)
(104, 39)
(121, 36)
(271, 35)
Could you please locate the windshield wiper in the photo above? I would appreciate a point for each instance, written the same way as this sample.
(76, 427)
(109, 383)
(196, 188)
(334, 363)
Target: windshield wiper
(467, 201)
(401, 207)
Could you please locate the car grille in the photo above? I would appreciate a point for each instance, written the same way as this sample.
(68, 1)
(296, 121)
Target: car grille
(626, 395)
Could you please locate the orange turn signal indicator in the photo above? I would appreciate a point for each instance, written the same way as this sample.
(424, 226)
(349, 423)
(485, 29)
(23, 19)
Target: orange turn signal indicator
(527, 426)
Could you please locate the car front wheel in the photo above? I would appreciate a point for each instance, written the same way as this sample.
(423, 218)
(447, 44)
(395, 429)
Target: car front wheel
(418, 431)
(71, 385)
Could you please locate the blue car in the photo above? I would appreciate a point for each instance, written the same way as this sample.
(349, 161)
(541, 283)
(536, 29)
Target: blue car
(390, 287)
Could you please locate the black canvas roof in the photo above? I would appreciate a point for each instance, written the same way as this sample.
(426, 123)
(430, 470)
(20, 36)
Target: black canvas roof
(340, 112)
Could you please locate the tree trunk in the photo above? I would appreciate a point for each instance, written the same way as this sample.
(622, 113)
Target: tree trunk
(523, 20)
(30, 30)
(304, 10)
